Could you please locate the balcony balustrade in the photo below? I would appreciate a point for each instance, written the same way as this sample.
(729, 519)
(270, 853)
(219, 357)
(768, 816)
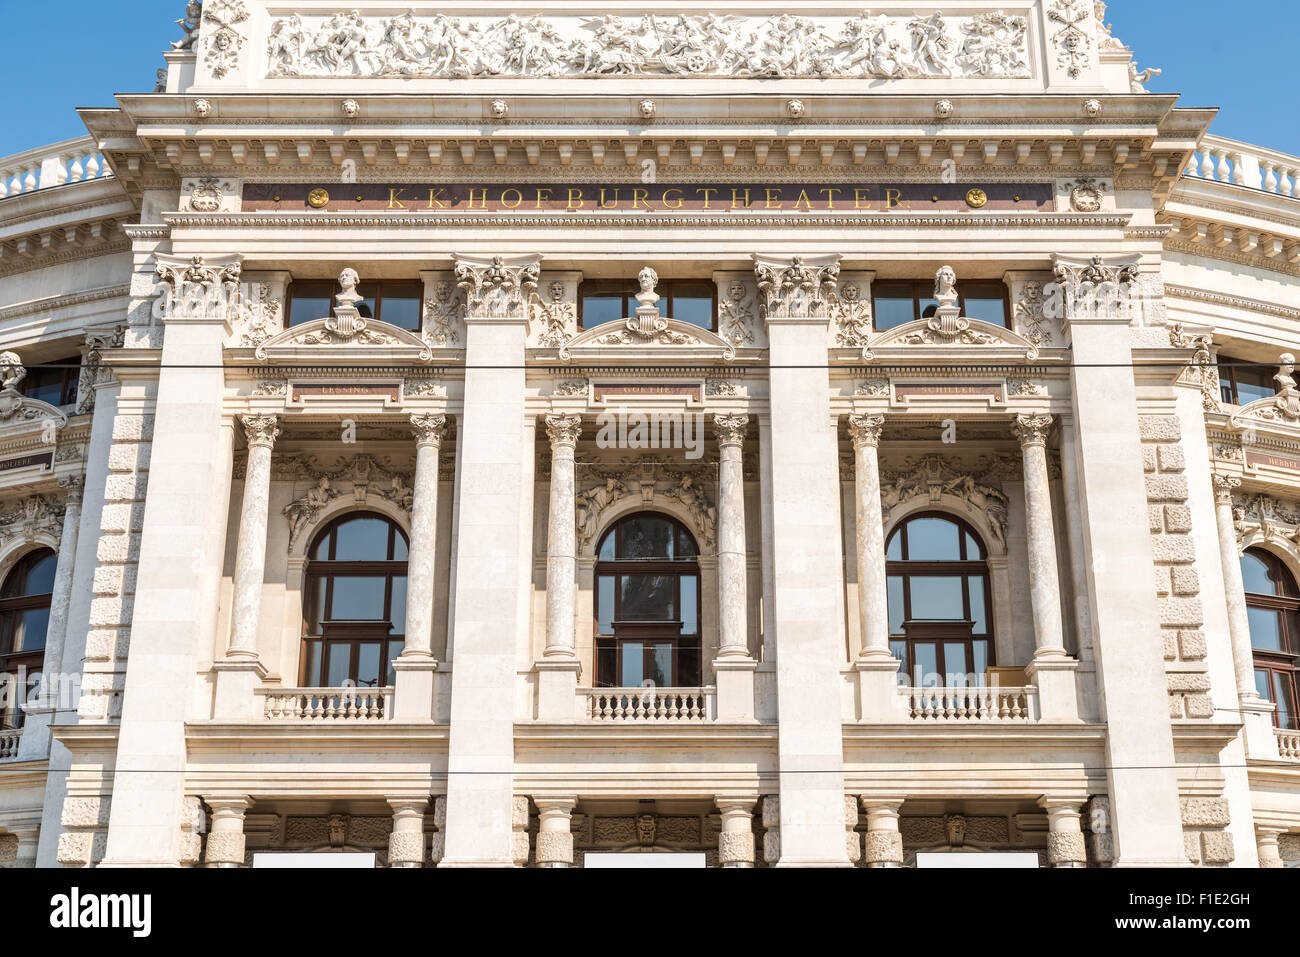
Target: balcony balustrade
(977, 704)
(10, 739)
(649, 705)
(72, 161)
(1229, 161)
(1288, 744)
(327, 704)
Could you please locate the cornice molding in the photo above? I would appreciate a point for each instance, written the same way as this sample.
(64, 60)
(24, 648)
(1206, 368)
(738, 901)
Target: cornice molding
(52, 303)
(1237, 302)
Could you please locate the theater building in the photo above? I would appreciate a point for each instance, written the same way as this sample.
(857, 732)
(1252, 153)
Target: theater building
(470, 438)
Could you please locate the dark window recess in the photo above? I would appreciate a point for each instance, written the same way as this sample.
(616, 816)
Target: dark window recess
(1273, 609)
(613, 300)
(896, 302)
(53, 382)
(354, 605)
(940, 604)
(1242, 383)
(397, 302)
(648, 605)
(24, 618)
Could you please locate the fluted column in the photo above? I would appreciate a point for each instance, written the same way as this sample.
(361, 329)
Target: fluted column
(732, 558)
(250, 557)
(873, 594)
(562, 537)
(1243, 654)
(225, 847)
(1044, 580)
(429, 431)
(554, 831)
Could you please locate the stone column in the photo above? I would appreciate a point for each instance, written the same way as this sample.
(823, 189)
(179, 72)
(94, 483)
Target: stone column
(406, 843)
(242, 669)
(877, 668)
(413, 694)
(1065, 844)
(736, 839)
(734, 667)
(226, 839)
(1270, 856)
(1243, 652)
(1052, 670)
(884, 840)
(28, 837)
(554, 833)
(559, 669)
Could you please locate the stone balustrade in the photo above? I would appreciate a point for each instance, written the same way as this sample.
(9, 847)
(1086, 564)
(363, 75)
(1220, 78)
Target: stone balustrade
(72, 161)
(327, 704)
(1288, 744)
(1230, 161)
(972, 704)
(650, 705)
(10, 739)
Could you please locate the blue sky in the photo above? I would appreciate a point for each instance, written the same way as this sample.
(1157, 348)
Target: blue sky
(79, 53)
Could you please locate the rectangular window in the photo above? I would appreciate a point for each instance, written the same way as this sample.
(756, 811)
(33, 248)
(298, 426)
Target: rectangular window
(398, 302)
(53, 382)
(896, 302)
(613, 300)
(1241, 382)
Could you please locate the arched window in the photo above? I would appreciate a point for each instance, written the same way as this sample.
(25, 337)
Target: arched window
(24, 618)
(940, 606)
(354, 605)
(648, 605)
(1273, 606)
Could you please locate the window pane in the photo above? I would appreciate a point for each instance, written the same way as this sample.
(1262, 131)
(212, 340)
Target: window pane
(607, 548)
(980, 662)
(310, 301)
(685, 545)
(368, 664)
(603, 302)
(893, 305)
(661, 665)
(1285, 703)
(933, 540)
(688, 666)
(357, 599)
(8, 628)
(397, 610)
(648, 598)
(605, 604)
(690, 605)
(977, 610)
(401, 304)
(984, 301)
(362, 540)
(312, 669)
(896, 612)
(1256, 575)
(899, 650)
(43, 384)
(367, 291)
(1265, 629)
(925, 673)
(315, 604)
(646, 538)
(693, 302)
(974, 552)
(33, 624)
(954, 664)
(1263, 685)
(633, 664)
(394, 652)
(936, 599)
(1254, 382)
(399, 546)
(40, 575)
(894, 552)
(338, 665)
(606, 665)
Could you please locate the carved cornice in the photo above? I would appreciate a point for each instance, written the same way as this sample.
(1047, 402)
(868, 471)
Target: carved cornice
(1236, 302)
(54, 303)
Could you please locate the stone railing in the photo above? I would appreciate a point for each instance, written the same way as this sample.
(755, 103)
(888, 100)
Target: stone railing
(10, 738)
(1229, 161)
(327, 704)
(1288, 744)
(71, 161)
(650, 705)
(972, 704)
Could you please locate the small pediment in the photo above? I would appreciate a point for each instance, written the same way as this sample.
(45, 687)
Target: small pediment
(328, 340)
(960, 335)
(638, 338)
(1280, 412)
(20, 414)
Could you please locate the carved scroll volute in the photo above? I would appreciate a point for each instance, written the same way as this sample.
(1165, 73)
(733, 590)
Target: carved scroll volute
(198, 287)
(796, 287)
(1095, 288)
(498, 288)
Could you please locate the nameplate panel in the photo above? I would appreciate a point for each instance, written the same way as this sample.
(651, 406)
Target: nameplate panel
(948, 390)
(1271, 460)
(345, 390)
(634, 390)
(41, 460)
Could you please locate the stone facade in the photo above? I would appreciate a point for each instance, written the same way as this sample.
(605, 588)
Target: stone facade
(245, 385)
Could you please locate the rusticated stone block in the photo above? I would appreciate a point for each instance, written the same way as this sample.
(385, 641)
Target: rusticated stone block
(735, 848)
(853, 846)
(1149, 459)
(1182, 612)
(1160, 578)
(1174, 550)
(406, 848)
(1178, 519)
(1156, 523)
(128, 457)
(1187, 581)
(1205, 812)
(1172, 458)
(884, 847)
(772, 846)
(1199, 706)
(1160, 428)
(108, 580)
(1189, 682)
(8, 849)
(771, 811)
(191, 849)
(519, 847)
(437, 847)
(225, 849)
(1216, 847)
(1171, 646)
(85, 812)
(126, 487)
(75, 848)
(111, 612)
(556, 847)
(133, 428)
(1066, 848)
(1103, 848)
(519, 814)
(1167, 488)
(1192, 645)
(1192, 847)
(1176, 709)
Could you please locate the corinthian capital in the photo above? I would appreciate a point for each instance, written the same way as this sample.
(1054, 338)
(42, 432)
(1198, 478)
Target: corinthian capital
(73, 486)
(198, 287)
(866, 430)
(1032, 429)
(429, 429)
(564, 430)
(261, 430)
(1224, 486)
(498, 287)
(730, 429)
(797, 286)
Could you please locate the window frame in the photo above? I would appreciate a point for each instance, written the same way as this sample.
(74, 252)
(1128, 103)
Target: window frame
(352, 633)
(1284, 665)
(923, 290)
(1230, 384)
(69, 376)
(666, 287)
(379, 296)
(12, 663)
(648, 633)
(937, 632)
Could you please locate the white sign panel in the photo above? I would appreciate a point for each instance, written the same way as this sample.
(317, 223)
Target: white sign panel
(314, 861)
(644, 860)
(977, 861)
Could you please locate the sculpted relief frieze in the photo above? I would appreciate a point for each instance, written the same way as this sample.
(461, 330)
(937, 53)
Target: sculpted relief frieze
(992, 45)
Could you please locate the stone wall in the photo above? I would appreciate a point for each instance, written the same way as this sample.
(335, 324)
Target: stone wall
(1204, 835)
(85, 835)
